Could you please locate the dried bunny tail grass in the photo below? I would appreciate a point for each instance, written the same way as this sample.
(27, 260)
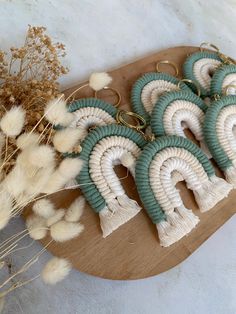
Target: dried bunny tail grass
(59, 214)
(68, 169)
(44, 208)
(75, 210)
(56, 112)
(37, 227)
(15, 183)
(64, 231)
(13, 121)
(65, 140)
(6, 202)
(98, 81)
(55, 270)
(26, 140)
(39, 180)
(41, 156)
(34, 159)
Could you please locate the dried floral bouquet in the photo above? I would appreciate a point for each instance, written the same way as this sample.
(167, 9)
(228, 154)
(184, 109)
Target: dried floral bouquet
(30, 167)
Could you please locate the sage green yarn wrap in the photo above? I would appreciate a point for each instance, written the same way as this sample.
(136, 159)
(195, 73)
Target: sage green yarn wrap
(142, 180)
(209, 131)
(157, 123)
(219, 76)
(136, 102)
(188, 68)
(89, 189)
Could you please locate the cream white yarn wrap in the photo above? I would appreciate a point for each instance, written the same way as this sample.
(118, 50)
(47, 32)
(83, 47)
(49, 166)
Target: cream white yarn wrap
(87, 117)
(119, 208)
(153, 90)
(183, 114)
(203, 70)
(230, 79)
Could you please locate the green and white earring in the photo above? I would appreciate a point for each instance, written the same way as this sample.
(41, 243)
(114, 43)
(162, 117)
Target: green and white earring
(102, 149)
(155, 167)
(224, 81)
(179, 110)
(148, 88)
(219, 134)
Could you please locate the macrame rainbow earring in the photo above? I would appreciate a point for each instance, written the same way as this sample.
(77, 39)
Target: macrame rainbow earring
(224, 81)
(148, 88)
(179, 110)
(200, 66)
(155, 166)
(219, 134)
(102, 149)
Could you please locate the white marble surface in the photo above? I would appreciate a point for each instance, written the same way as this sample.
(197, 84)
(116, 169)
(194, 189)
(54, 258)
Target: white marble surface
(100, 35)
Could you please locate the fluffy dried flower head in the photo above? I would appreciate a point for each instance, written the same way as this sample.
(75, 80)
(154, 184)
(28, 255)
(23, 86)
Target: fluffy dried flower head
(55, 270)
(44, 208)
(37, 227)
(13, 121)
(63, 231)
(99, 80)
(75, 211)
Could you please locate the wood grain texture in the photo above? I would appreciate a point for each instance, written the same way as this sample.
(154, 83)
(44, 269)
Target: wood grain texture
(133, 251)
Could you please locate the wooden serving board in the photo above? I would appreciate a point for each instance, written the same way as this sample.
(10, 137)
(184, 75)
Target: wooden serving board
(133, 251)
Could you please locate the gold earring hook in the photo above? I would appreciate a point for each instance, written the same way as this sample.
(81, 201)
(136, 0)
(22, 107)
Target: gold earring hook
(193, 83)
(113, 90)
(140, 121)
(170, 63)
(227, 87)
(225, 59)
(207, 44)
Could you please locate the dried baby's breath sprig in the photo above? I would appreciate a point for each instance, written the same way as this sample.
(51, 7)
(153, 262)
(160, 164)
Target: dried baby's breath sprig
(29, 74)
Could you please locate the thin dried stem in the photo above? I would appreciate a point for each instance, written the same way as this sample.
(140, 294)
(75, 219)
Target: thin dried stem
(17, 285)
(27, 265)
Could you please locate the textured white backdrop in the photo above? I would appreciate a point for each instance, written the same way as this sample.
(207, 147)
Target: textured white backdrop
(100, 35)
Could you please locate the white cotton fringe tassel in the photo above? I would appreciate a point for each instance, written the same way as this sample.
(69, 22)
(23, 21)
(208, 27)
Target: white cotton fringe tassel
(178, 224)
(211, 192)
(117, 212)
(230, 175)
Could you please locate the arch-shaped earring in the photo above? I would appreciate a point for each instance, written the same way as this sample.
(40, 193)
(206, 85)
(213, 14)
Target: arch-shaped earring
(103, 148)
(179, 110)
(219, 133)
(199, 67)
(224, 81)
(148, 88)
(153, 176)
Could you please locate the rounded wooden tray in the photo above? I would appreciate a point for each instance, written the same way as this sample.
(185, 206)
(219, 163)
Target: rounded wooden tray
(133, 251)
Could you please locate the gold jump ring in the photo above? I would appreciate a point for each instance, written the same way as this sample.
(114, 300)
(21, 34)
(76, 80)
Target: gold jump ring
(172, 64)
(113, 90)
(141, 122)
